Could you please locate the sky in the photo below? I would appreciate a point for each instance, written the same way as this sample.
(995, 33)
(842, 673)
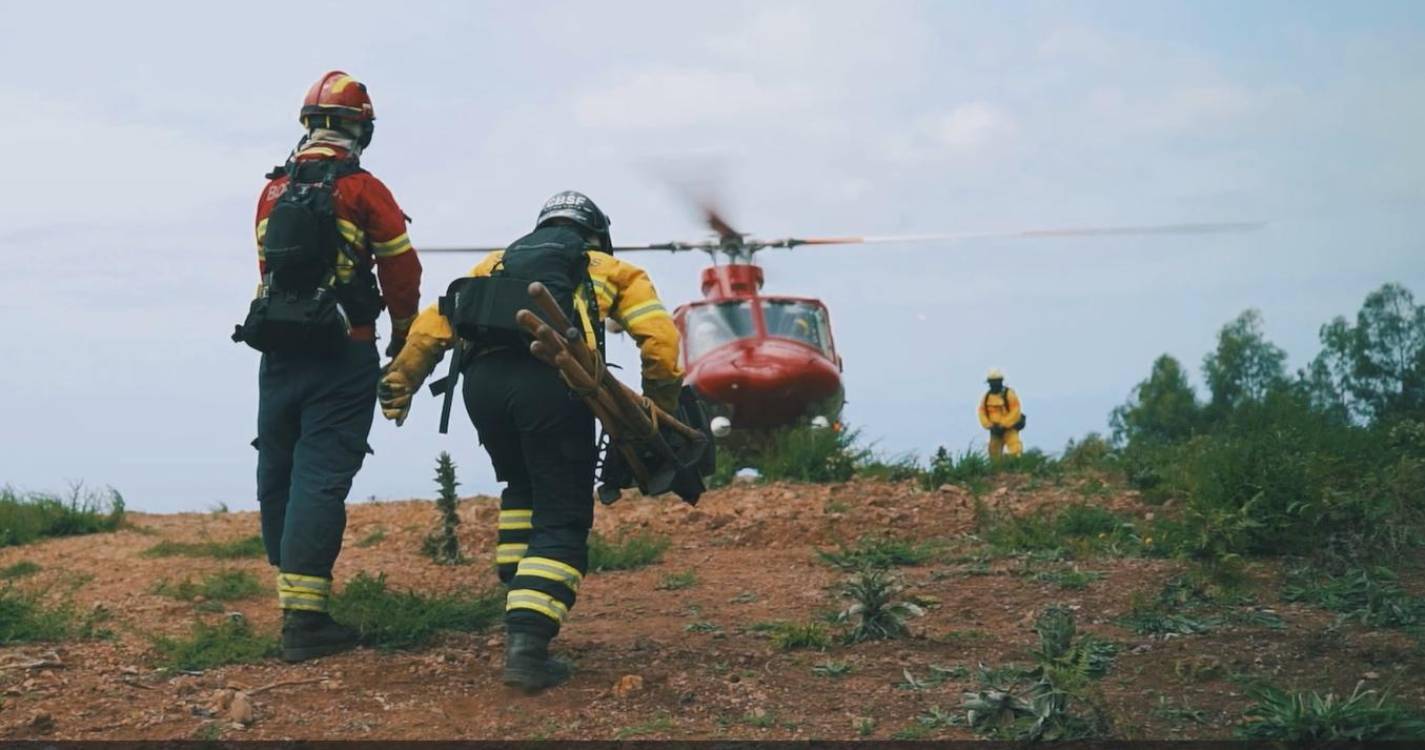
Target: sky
(135, 138)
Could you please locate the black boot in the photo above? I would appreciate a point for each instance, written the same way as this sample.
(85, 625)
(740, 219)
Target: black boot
(528, 664)
(308, 635)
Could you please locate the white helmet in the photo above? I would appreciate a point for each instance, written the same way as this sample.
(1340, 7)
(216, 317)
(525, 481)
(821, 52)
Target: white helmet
(995, 374)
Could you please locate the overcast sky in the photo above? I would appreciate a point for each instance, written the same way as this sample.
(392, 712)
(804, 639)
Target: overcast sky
(135, 137)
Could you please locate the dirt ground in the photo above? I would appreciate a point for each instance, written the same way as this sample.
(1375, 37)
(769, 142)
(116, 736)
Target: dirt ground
(753, 550)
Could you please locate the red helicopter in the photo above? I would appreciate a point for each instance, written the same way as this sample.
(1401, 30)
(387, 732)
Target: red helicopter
(766, 361)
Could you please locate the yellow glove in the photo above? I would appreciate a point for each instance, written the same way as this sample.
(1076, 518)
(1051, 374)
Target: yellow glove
(403, 377)
(395, 394)
(664, 393)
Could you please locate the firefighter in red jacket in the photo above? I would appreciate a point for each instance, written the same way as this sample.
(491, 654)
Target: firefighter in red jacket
(315, 410)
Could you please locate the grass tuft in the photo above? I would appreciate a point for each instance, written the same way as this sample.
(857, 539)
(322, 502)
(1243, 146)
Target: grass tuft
(226, 586)
(28, 517)
(20, 569)
(206, 646)
(678, 581)
(1311, 717)
(390, 619)
(1371, 596)
(246, 547)
(626, 551)
(25, 618)
(811, 636)
(876, 552)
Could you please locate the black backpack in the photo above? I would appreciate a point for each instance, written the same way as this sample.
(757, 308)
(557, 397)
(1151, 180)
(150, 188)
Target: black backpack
(1023, 418)
(481, 309)
(302, 307)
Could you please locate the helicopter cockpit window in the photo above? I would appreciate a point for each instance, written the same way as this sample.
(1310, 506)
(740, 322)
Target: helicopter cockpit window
(794, 319)
(710, 326)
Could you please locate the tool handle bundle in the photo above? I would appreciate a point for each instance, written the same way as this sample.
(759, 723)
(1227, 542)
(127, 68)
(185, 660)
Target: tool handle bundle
(633, 422)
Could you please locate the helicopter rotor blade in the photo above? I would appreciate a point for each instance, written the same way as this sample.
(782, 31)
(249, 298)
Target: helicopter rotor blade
(1119, 231)
(671, 247)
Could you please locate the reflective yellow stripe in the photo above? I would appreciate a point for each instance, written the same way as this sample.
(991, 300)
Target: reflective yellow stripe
(510, 553)
(296, 591)
(261, 231)
(538, 601)
(553, 570)
(514, 520)
(307, 595)
(605, 291)
(351, 233)
(391, 248)
(644, 310)
(310, 583)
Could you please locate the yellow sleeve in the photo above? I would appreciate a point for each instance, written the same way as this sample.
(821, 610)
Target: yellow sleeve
(1011, 400)
(637, 308)
(984, 414)
(431, 334)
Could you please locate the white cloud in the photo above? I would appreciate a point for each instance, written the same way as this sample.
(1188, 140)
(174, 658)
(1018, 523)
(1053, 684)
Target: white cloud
(971, 126)
(666, 97)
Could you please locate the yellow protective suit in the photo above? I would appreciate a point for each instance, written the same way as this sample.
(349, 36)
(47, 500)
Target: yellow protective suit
(1001, 410)
(624, 293)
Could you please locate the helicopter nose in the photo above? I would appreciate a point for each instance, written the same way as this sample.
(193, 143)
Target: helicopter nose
(771, 382)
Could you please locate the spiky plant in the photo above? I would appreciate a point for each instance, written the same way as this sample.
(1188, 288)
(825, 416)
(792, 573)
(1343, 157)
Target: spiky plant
(443, 545)
(875, 614)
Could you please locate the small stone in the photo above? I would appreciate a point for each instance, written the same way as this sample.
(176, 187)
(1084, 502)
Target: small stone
(240, 711)
(222, 699)
(628, 685)
(1371, 676)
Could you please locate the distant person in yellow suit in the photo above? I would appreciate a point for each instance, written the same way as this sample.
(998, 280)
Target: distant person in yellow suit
(1000, 414)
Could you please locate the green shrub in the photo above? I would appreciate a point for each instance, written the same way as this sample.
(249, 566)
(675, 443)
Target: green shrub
(235, 550)
(968, 467)
(1312, 717)
(231, 641)
(877, 552)
(899, 469)
(678, 581)
(24, 618)
(25, 518)
(1078, 528)
(1371, 596)
(404, 619)
(226, 586)
(875, 613)
(796, 636)
(1090, 452)
(808, 454)
(443, 544)
(626, 551)
(19, 570)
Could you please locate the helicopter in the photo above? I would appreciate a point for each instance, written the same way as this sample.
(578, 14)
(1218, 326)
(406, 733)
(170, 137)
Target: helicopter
(758, 361)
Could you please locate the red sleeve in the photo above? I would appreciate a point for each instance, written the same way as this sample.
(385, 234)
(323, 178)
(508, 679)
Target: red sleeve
(397, 266)
(270, 193)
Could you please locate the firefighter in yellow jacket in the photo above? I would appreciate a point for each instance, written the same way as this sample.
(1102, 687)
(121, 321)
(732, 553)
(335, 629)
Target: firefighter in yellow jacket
(539, 435)
(1000, 413)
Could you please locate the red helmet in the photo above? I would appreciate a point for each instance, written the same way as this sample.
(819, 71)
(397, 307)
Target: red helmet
(340, 96)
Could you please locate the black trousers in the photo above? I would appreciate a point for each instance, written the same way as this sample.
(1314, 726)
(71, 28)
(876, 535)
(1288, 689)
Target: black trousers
(540, 438)
(313, 418)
